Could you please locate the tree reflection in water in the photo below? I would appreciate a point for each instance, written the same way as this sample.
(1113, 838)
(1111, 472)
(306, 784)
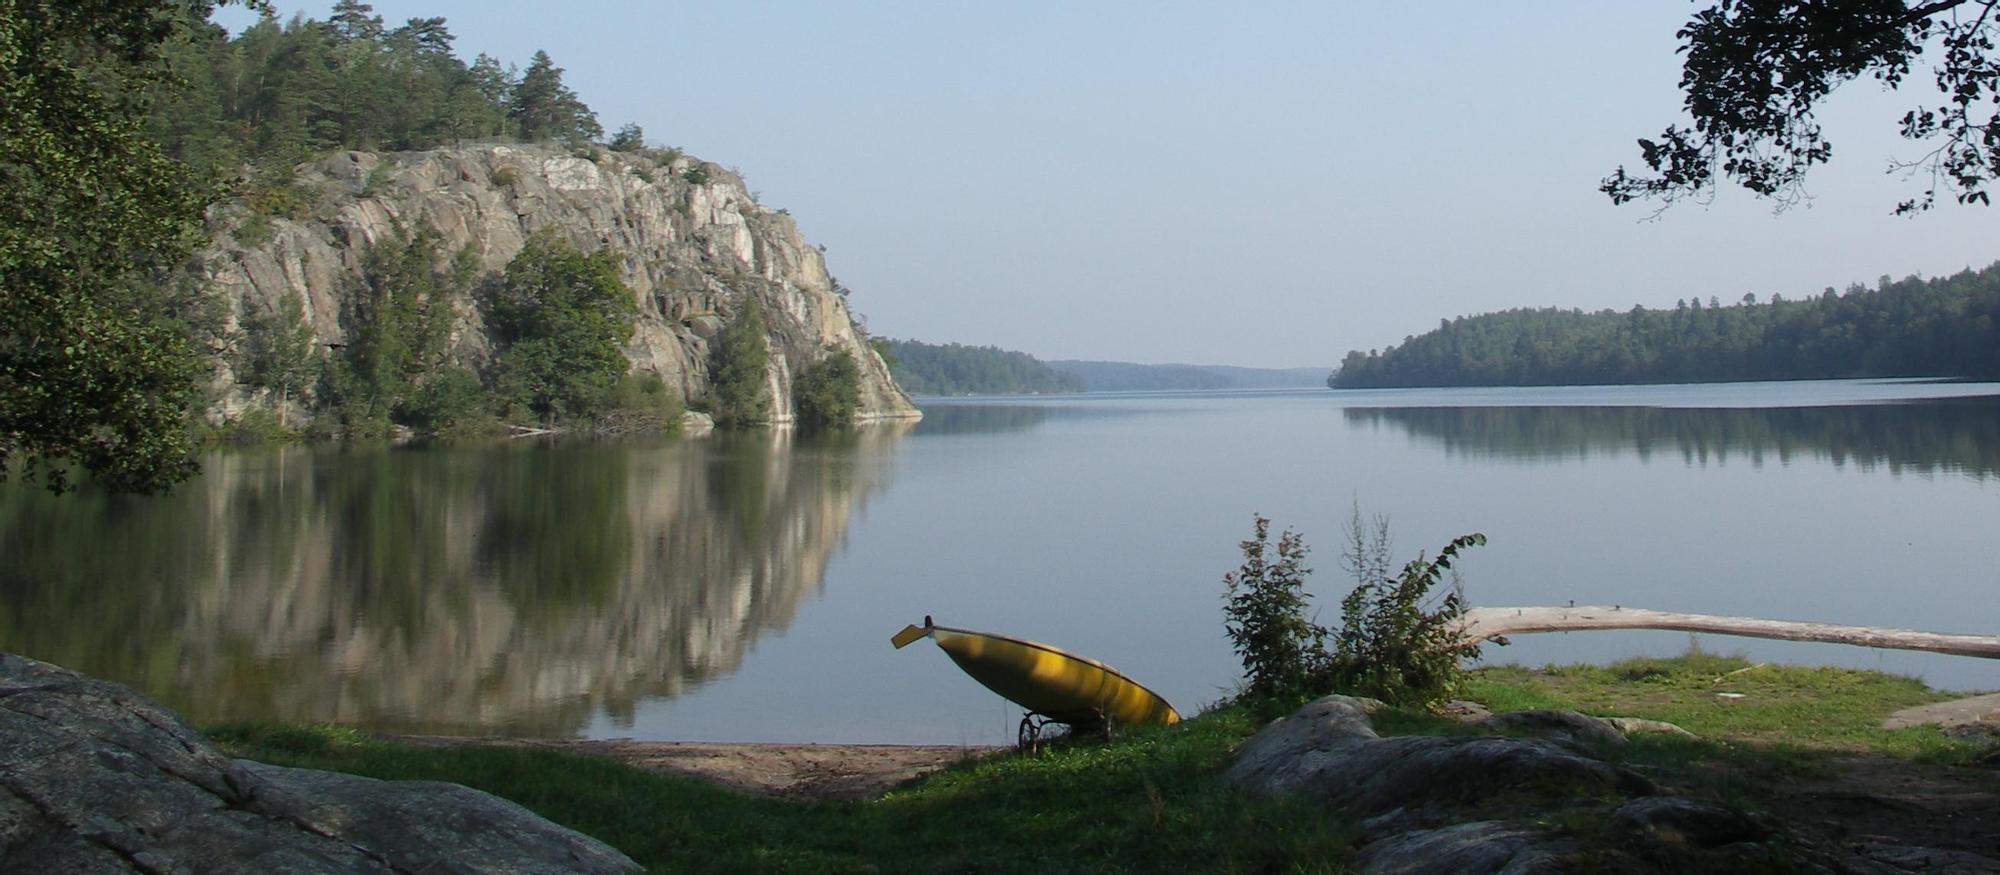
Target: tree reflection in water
(512, 587)
(1956, 435)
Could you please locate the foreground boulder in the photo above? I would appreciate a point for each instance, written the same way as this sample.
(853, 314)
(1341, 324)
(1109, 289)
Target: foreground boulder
(1486, 804)
(97, 778)
(1329, 750)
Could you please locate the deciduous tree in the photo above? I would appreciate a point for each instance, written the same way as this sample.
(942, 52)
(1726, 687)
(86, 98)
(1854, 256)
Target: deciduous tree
(92, 373)
(1757, 71)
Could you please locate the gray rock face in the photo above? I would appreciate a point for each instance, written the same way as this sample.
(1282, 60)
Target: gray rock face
(1329, 751)
(1567, 728)
(96, 778)
(1456, 804)
(1687, 822)
(1477, 848)
(693, 254)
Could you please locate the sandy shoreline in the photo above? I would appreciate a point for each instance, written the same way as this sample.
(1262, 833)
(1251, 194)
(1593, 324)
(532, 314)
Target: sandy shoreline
(803, 771)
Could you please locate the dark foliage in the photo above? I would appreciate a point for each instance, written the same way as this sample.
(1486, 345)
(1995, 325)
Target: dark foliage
(1946, 327)
(278, 350)
(562, 318)
(828, 392)
(737, 396)
(1954, 435)
(95, 369)
(955, 369)
(398, 313)
(1399, 640)
(284, 91)
(1757, 70)
(1284, 653)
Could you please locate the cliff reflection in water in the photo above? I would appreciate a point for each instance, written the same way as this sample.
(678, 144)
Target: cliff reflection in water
(511, 588)
(1956, 435)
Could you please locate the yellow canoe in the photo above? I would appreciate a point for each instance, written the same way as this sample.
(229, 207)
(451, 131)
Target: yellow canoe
(1046, 680)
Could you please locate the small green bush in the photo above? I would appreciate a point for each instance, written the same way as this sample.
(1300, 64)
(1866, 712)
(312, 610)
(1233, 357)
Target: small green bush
(274, 191)
(257, 425)
(378, 180)
(630, 138)
(644, 403)
(1284, 654)
(451, 401)
(1398, 641)
(828, 392)
(505, 176)
(255, 231)
(696, 175)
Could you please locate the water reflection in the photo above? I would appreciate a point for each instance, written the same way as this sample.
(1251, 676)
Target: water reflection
(1954, 435)
(960, 417)
(505, 588)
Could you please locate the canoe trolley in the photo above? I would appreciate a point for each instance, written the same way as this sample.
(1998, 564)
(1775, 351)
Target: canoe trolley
(1051, 685)
(1029, 739)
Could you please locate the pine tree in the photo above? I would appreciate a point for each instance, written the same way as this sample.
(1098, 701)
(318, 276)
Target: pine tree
(543, 108)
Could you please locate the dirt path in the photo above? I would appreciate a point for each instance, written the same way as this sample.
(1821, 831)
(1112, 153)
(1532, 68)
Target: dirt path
(802, 771)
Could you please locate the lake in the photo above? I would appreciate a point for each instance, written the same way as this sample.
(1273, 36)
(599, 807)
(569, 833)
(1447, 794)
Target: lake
(744, 588)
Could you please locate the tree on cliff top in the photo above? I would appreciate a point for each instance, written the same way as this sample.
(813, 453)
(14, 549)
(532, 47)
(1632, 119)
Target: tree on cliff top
(1757, 69)
(543, 108)
(92, 372)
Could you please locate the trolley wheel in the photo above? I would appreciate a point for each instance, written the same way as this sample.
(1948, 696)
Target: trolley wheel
(1029, 739)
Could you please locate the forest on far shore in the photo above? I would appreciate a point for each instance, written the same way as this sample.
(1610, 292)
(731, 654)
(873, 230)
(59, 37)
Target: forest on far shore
(1942, 327)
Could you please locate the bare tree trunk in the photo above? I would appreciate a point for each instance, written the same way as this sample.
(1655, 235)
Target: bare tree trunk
(1483, 623)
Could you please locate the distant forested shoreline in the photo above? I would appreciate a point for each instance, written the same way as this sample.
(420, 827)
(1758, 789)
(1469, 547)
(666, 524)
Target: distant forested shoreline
(1944, 327)
(956, 369)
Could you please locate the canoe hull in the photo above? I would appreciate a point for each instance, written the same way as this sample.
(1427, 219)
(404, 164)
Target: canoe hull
(1048, 681)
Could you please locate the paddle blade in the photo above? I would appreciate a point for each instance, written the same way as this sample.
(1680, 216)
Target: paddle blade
(909, 634)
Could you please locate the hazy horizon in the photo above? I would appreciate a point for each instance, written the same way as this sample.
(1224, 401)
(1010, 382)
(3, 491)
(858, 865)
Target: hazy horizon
(1173, 183)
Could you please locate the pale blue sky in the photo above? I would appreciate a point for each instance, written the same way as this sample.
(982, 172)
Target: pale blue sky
(1264, 184)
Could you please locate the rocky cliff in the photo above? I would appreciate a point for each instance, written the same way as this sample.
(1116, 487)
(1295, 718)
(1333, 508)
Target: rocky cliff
(694, 246)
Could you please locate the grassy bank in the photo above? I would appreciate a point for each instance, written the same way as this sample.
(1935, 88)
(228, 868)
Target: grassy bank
(1150, 800)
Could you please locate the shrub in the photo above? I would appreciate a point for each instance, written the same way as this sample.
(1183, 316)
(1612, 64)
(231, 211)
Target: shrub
(630, 138)
(1284, 654)
(562, 318)
(736, 368)
(274, 190)
(505, 176)
(451, 402)
(279, 351)
(379, 179)
(828, 392)
(256, 425)
(255, 231)
(696, 175)
(398, 312)
(1398, 641)
(643, 402)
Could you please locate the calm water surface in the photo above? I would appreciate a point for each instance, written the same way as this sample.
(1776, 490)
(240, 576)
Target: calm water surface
(744, 588)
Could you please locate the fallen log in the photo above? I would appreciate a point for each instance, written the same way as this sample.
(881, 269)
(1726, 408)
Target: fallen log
(1481, 624)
